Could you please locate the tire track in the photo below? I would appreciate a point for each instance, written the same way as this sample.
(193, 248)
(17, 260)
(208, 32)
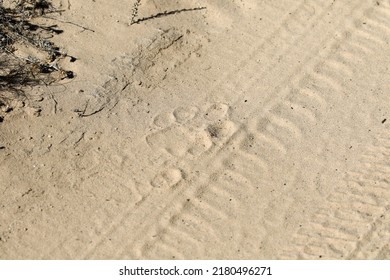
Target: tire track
(302, 6)
(363, 196)
(353, 222)
(274, 46)
(203, 214)
(375, 243)
(323, 79)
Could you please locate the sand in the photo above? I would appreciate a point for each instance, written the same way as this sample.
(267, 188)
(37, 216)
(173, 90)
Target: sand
(245, 130)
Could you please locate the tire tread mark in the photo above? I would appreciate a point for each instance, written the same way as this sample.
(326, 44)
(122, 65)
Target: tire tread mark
(368, 205)
(331, 82)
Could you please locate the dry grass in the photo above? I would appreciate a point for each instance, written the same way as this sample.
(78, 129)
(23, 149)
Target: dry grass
(17, 28)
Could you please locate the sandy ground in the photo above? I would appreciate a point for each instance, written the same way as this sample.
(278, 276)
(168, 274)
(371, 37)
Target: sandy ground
(252, 129)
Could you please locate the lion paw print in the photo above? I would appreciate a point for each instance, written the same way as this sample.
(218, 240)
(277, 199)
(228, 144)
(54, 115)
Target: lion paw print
(191, 131)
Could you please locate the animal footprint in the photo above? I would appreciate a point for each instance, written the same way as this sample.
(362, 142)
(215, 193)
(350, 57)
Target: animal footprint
(167, 178)
(190, 131)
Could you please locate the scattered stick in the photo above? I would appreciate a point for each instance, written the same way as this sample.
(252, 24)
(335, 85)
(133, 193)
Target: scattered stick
(55, 103)
(93, 113)
(72, 23)
(82, 112)
(79, 140)
(63, 140)
(116, 103)
(164, 14)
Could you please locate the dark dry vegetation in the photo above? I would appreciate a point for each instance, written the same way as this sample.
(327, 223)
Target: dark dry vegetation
(17, 29)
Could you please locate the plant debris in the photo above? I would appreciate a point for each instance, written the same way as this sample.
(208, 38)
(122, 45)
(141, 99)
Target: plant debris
(17, 29)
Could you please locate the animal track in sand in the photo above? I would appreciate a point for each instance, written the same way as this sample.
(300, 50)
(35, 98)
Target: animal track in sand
(191, 131)
(167, 178)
